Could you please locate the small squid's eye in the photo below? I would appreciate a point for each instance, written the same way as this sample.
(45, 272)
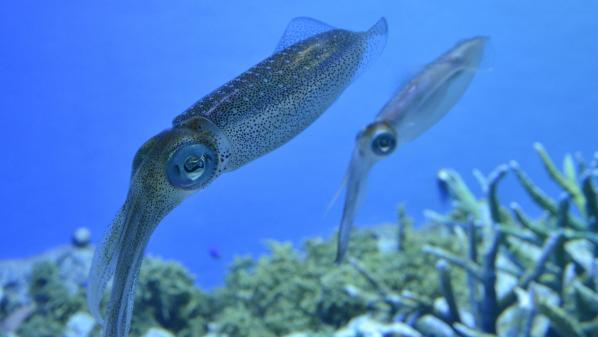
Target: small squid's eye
(191, 166)
(384, 143)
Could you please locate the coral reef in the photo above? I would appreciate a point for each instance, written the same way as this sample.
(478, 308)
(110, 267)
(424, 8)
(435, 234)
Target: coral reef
(525, 277)
(52, 301)
(38, 293)
(482, 270)
(290, 290)
(284, 291)
(73, 264)
(168, 298)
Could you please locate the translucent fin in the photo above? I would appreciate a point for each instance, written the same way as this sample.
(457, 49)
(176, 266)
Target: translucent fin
(429, 96)
(299, 29)
(374, 42)
(432, 109)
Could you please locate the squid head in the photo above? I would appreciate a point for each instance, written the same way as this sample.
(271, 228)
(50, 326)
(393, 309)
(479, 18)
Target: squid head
(413, 109)
(166, 169)
(377, 141)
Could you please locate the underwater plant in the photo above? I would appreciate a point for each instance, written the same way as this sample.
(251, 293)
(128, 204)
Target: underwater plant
(282, 292)
(52, 302)
(167, 297)
(293, 290)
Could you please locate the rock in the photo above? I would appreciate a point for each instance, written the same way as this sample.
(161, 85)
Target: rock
(14, 319)
(73, 263)
(364, 326)
(387, 237)
(79, 325)
(158, 332)
(432, 326)
(81, 237)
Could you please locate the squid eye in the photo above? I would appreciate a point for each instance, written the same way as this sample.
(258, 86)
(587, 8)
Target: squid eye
(384, 143)
(191, 166)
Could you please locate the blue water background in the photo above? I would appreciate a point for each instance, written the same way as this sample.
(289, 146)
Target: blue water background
(83, 84)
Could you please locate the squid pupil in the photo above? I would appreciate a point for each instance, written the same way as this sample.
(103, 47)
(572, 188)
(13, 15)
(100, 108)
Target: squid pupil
(384, 143)
(194, 163)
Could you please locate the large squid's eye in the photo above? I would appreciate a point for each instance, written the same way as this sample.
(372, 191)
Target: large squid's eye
(383, 142)
(191, 166)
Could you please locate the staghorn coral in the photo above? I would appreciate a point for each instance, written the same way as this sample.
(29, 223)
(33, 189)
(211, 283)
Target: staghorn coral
(534, 277)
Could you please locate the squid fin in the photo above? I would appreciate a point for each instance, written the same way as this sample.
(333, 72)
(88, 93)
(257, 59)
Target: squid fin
(299, 29)
(375, 41)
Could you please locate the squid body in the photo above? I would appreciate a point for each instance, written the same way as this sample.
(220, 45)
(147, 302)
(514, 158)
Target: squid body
(412, 110)
(244, 119)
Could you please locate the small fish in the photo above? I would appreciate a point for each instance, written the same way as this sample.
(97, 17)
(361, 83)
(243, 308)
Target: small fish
(215, 253)
(412, 110)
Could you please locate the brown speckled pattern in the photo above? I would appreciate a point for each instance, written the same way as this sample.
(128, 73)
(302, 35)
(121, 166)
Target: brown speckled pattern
(273, 101)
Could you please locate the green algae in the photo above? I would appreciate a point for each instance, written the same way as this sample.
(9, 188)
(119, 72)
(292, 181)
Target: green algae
(284, 291)
(167, 297)
(53, 302)
(41, 326)
(291, 290)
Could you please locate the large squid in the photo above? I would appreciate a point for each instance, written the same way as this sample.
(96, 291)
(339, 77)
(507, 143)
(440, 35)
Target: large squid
(244, 119)
(412, 110)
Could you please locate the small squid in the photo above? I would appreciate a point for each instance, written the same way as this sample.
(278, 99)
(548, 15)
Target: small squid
(253, 114)
(412, 110)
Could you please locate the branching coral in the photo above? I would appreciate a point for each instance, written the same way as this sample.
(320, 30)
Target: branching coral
(534, 277)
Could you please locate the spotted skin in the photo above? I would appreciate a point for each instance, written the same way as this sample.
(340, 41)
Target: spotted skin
(150, 198)
(249, 116)
(273, 101)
